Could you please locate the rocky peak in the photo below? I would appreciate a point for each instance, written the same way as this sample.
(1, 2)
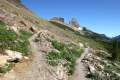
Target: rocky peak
(75, 24)
(60, 19)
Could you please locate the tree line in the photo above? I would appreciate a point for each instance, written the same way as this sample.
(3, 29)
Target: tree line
(115, 49)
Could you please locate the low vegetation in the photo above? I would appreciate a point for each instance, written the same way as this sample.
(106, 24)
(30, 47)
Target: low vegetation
(97, 42)
(6, 68)
(110, 63)
(23, 43)
(66, 52)
(65, 27)
(76, 36)
(10, 40)
(24, 35)
(7, 37)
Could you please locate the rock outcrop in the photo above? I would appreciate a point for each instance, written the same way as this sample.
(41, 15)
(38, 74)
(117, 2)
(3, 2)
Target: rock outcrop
(13, 55)
(3, 60)
(74, 24)
(59, 19)
(14, 22)
(17, 3)
(98, 66)
(10, 56)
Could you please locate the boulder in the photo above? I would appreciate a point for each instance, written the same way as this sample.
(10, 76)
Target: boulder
(32, 29)
(75, 24)
(3, 60)
(81, 45)
(61, 72)
(25, 57)
(14, 55)
(92, 69)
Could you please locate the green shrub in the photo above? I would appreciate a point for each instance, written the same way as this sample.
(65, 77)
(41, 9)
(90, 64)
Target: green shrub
(7, 37)
(2, 25)
(24, 35)
(21, 46)
(53, 58)
(6, 68)
(67, 52)
(23, 43)
(10, 40)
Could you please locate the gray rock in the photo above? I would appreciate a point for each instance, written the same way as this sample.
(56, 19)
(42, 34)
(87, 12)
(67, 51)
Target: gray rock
(74, 24)
(60, 19)
(13, 55)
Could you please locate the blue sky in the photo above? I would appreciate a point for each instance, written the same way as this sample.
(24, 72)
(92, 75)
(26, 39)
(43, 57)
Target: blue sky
(102, 16)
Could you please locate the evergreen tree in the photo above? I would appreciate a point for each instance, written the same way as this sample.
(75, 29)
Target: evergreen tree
(84, 29)
(115, 50)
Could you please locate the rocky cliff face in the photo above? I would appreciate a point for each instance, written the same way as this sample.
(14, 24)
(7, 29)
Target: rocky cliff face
(60, 19)
(74, 24)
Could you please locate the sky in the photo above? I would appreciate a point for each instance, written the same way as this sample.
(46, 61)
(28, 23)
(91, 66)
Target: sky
(102, 16)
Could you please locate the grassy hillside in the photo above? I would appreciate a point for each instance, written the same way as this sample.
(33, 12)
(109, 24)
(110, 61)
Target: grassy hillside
(63, 31)
(68, 52)
(76, 36)
(10, 40)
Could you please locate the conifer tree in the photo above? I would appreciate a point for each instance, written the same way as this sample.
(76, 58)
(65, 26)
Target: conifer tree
(115, 50)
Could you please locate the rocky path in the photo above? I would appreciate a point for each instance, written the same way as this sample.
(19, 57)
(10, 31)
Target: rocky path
(34, 69)
(80, 72)
(37, 69)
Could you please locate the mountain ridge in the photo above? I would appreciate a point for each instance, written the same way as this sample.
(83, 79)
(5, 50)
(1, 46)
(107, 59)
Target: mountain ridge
(117, 37)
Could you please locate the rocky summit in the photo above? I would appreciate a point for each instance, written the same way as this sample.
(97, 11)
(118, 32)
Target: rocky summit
(59, 19)
(74, 24)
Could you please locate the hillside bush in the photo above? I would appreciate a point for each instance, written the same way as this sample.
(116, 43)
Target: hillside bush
(66, 52)
(10, 40)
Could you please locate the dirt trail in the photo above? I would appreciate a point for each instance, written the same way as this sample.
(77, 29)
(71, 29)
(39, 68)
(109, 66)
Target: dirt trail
(80, 72)
(35, 69)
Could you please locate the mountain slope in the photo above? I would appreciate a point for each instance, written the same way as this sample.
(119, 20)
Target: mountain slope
(55, 47)
(117, 37)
